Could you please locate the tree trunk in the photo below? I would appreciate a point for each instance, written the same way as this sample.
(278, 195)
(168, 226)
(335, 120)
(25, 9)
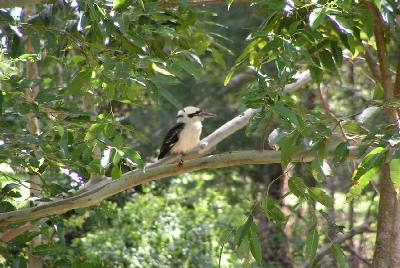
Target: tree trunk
(32, 72)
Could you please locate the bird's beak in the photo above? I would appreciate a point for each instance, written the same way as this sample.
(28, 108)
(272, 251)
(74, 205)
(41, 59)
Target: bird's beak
(207, 115)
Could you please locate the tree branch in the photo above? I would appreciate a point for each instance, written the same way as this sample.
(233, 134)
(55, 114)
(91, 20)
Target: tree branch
(94, 193)
(155, 172)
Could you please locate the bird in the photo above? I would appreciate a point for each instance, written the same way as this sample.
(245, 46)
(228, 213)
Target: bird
(185, 134)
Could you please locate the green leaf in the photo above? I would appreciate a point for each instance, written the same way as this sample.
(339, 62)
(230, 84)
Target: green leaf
(272, 211)
(188, 67)
(228, 3)
(341, 153)
(367, 20)
(80, 80)
(320, 169)
(297, 187)
(316, 74)
(170, 98)
(6, 206)
(287, 149)
(255, 246)
(337, 53)
(394, 165)
(152, 89)
(285, 114)
(342, 23)
(317, 194)
(311, 246)
(277, 137)
(272, 45)
(218, 58)
(369, 114)
(339, 255)
(371, 163)
(121, 4)
(4, 15)
(316, 17)
(116, 172)
(133, 157)
(327, 61)
(244, 231)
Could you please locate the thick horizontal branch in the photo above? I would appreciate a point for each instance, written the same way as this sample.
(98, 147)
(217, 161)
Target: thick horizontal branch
(128, 180)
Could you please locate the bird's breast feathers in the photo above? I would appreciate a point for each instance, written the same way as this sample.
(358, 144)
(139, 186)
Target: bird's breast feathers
(189, 137)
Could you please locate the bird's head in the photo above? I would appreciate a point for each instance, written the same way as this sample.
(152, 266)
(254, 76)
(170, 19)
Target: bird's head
(192, 114)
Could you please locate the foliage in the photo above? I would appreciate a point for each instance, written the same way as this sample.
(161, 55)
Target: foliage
(94, 54)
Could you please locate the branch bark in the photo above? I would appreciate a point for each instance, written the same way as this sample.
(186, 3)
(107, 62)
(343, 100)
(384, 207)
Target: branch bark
(154, 172)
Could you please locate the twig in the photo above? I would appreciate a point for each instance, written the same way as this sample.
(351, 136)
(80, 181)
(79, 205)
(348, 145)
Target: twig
(326, 108)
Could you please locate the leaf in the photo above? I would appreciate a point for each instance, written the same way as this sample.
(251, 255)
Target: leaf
(244, 231)
(80, 80)
(327, 61)
(255, 121)
(311, 246)
(170, 98)
(341, 153)
(255, 246)
(188, 67)
(320, 169)
(339, 255)
(316, 74)
(218, 58)
(342, 24)
(116, 172)
(316, 17)
(152, 89)
(4, 15)
(277, 137)
(285, 114)
(228, 3)
(272, 211)
(297, 187)
(367, 20)
(161, 70)
(394, 166)
(320, 196)
(369, 114)
(121, 4)
(337, 53)
(371, 163)
(133, 157)
(6, 206)
(287, 149)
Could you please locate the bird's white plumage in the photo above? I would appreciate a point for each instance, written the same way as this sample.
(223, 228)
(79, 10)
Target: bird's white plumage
(185, 134)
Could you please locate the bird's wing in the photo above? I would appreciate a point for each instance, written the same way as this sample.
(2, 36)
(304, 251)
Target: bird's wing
(171, 138)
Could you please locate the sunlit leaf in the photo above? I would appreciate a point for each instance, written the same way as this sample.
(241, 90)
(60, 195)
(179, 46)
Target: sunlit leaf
(286, 114)
(342, 23)
(317, 194)
(287, 150)
(297, 187)
(244, 231)
(316, 17)
(188, 67)
(341, 153)
(311, 246)
(369, 114)
(272, 211)
(255, 246)
(394, 165)
(366, 170)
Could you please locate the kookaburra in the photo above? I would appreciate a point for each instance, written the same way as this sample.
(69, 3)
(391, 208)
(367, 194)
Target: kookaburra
(185, 134)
